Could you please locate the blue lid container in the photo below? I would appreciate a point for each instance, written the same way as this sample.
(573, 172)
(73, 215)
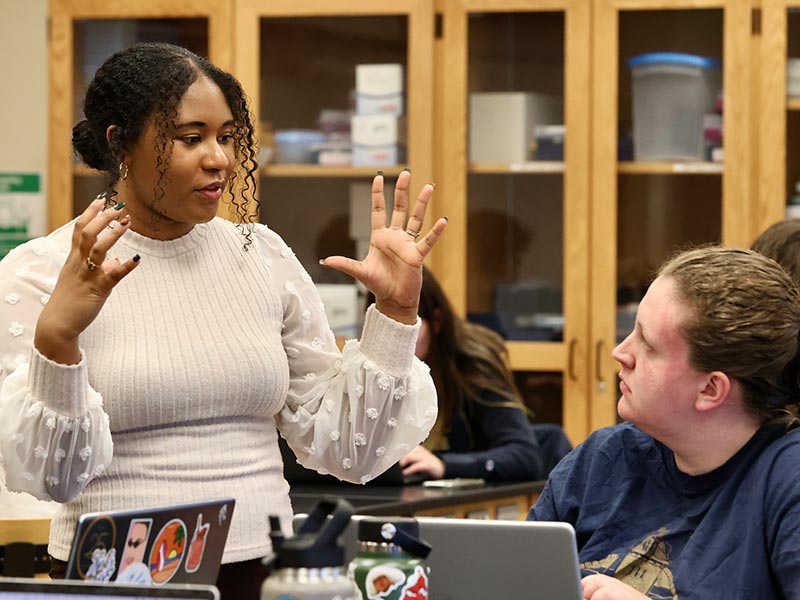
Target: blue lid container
(674, 58)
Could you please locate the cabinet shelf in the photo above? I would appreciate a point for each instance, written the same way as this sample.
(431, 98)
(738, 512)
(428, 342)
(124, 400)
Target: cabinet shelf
(531, 166)
(327, 171)
(669, 168)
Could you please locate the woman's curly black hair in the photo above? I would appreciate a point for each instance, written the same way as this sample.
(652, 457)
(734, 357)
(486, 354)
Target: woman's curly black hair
(148, 80)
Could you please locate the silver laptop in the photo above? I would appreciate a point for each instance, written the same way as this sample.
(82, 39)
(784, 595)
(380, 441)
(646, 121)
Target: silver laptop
(152, 546)
(43, 589)
(477, 559)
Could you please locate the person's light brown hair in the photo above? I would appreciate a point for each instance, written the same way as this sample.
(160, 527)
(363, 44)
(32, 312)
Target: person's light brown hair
(781, 243)
(745, 322)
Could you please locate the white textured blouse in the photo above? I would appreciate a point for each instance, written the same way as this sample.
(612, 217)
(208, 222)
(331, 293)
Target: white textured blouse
(194, 360)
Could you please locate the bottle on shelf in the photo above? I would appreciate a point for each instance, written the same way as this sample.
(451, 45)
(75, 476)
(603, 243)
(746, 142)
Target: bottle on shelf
(793, 204)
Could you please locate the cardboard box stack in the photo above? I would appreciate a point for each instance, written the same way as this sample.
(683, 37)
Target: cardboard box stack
(378, 126)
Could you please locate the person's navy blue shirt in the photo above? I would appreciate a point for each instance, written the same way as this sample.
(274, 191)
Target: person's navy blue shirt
(730, 533)
(492, 441)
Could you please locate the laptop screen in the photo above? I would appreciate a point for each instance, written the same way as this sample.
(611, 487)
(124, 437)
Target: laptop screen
(42, 589)
(475, 559)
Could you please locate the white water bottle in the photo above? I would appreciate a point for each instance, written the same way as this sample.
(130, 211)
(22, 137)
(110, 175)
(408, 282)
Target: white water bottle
(311, 565)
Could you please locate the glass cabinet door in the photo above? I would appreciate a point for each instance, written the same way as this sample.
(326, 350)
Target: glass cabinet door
(514, 174)
(82, 35)
(340, 90)
(779, 114)
(667, 178)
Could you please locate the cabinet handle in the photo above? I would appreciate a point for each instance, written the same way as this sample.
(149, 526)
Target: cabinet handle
(573, 376)
(598, 364)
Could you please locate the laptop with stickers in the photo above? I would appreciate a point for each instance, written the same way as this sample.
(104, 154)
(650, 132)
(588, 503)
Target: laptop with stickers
(39, 589)
(169, 544)
(476, 559)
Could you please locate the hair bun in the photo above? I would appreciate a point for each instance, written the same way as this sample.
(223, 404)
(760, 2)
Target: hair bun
(85, 144)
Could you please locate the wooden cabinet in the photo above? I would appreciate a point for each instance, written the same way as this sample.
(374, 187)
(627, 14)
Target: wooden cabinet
(554, 252)
(518, 231)
(85, 32)
(778, 114)
(298, 60)
(644, 211)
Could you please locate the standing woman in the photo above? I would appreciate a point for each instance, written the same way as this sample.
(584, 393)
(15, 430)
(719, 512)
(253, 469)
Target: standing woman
(482, 429)
(150, 349)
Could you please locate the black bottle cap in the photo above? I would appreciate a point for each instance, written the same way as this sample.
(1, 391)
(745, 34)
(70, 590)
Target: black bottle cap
(316, 544)
(401, 531)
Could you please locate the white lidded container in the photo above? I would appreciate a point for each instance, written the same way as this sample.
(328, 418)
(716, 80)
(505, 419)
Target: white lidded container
(671, 93)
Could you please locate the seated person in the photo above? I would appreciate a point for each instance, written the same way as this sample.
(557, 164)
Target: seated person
(482, 429)
(781, 242)
(697, 494)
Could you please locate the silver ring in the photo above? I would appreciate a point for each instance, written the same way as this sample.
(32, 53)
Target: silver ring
(412, 233)
(90, 263)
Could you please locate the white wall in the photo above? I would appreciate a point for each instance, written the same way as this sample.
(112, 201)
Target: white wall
(23, 139)
(23, 102)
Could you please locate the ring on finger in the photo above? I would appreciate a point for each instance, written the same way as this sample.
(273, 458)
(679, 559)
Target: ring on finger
(91, 264)
(412, 233)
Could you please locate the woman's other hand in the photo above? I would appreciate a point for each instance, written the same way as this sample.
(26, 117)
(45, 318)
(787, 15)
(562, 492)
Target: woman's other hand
(392, 269)
(603, 587)
(84, 284)
(420, 459)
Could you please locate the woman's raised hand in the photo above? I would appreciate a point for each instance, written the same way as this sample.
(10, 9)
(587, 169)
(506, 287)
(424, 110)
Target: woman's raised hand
(84, 284)
(392, 269)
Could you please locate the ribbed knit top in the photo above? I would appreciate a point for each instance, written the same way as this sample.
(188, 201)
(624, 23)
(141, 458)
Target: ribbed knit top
(196, 357)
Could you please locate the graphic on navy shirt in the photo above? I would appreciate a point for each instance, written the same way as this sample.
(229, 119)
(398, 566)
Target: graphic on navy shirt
(645, 568)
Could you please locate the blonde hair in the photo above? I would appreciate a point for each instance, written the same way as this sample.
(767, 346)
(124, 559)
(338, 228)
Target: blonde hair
(745, 322)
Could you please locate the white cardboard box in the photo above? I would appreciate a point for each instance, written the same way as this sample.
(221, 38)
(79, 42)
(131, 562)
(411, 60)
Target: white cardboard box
(341, 307)
(379, 89)
(501, 123)
(378, 140)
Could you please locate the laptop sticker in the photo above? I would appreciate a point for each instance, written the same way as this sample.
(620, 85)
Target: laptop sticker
(132, 567)
(198, 545)
(167, 551)
(96, 554)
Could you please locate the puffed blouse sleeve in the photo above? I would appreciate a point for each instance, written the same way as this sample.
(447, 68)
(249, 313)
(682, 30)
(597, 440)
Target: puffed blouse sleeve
(351, 414)
(54, 433)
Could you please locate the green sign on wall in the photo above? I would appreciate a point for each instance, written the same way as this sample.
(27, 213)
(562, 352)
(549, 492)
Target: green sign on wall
(18, 194)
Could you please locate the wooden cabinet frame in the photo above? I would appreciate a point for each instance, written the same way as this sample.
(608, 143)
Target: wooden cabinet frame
(569, 356)
(753, 175)
(419, 95)
(772, 112)
(737, 204)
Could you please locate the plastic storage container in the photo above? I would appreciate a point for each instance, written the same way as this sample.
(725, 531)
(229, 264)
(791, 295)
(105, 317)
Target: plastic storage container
(671, 94)
(294, 146)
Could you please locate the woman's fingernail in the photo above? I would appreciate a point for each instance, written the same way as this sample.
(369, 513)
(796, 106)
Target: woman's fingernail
(125, 220)
(322, 261)
(407, 169)
(119, 206)
(380, 173)
(445, 218)
(433, 185)
(137, 258)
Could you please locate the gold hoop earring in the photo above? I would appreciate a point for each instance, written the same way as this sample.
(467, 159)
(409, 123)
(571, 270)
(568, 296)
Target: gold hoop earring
(123, 171)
